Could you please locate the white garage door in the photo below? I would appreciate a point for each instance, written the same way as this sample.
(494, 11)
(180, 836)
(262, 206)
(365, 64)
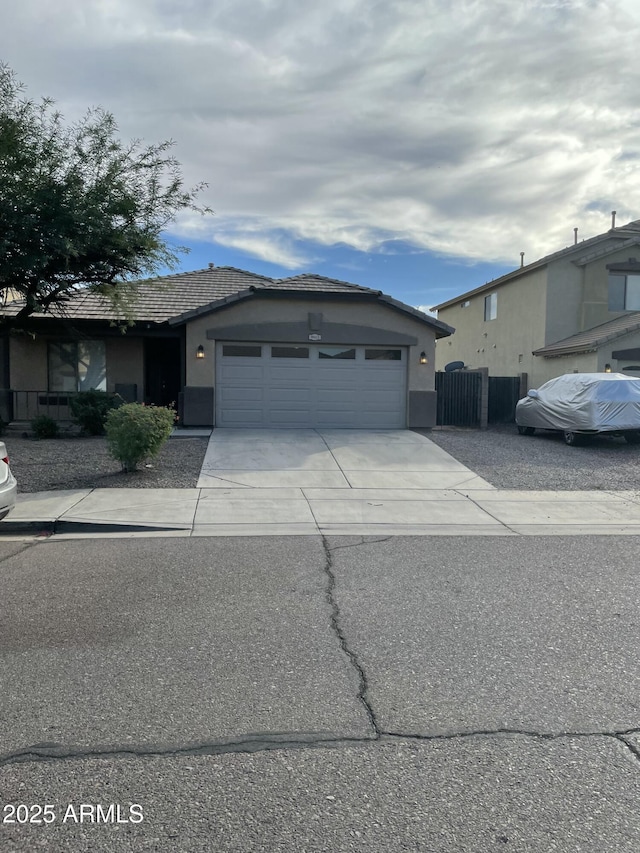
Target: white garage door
(295, 385)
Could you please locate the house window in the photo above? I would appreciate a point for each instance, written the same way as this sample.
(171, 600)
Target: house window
(491, 306)
(624, 292)
(77, 366)
(465, 304)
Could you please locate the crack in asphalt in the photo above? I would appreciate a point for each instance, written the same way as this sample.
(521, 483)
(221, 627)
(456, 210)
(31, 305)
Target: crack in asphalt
(271, 741)
(363, 541)
(363, 685)
(25, 547)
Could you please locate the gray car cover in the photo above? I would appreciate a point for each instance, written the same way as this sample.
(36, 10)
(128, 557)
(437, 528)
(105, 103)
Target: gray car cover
(600, 402)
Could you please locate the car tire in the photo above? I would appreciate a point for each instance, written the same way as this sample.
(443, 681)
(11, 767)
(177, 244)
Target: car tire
(573, 439)
(632, 437)
(523, 430)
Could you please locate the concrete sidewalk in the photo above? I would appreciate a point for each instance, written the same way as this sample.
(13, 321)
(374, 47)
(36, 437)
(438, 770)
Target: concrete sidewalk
(294, 511)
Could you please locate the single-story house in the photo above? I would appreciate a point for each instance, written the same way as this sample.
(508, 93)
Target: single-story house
(230, 348)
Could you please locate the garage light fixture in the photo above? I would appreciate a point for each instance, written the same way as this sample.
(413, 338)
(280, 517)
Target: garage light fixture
(423, 358)
(200, 352)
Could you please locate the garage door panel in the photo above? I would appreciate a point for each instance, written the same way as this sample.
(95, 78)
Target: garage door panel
(248, 417)
(242, 373)
(332, 396)
(293, 373)
(252, 394)
(296, 392)
(290, 418)
(289, 395)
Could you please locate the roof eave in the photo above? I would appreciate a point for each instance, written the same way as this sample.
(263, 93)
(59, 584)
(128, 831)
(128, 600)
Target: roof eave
(491, 285)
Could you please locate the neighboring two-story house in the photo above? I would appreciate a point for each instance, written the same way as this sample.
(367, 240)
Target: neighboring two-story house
(577, 310)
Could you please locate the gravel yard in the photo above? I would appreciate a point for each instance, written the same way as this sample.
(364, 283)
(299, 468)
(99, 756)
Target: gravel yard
(84, 463)
(542, 461)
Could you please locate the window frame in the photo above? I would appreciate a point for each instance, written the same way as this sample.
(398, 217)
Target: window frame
(79, 360)
(491, 306)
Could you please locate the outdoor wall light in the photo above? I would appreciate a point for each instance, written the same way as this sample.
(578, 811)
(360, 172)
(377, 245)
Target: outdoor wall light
(607, 368)
(200, 352)
(423, 358)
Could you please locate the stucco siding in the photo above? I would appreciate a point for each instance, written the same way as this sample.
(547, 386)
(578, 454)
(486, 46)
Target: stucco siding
(565, 294)
(503, 345)
(549, 368)
(200, 372)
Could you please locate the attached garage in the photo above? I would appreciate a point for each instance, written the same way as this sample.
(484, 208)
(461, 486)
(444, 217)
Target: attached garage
(289, 385)
(307, 352)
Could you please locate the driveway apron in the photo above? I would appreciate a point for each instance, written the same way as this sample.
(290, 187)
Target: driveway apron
(334, 481)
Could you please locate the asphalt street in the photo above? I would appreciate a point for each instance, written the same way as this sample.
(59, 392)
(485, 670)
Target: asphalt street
(310, 694)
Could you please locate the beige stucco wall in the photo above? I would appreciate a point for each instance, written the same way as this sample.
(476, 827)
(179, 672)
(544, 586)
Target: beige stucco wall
(565, 293)
(201, 372)
(549, 368)
(503, 345)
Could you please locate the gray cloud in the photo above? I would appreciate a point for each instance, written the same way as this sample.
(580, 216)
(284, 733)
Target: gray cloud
(476, 128)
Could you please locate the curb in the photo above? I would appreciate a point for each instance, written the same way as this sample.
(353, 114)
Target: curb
(49, 528)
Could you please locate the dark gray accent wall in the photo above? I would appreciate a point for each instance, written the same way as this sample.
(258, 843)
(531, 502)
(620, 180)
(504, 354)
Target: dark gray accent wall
(196, 404)
(127, 390)
(422, 409)
(331, 333)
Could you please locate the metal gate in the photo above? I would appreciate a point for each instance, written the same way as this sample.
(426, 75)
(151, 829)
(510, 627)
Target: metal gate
(459, 398)
(504, 393)
(471, 398)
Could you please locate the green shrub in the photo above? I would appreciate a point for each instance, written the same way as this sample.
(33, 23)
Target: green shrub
(136, 432)
(45, 427)
(90, 410)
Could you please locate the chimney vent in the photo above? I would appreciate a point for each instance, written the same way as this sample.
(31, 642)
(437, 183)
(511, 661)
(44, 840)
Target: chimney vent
(521, 259)
(613, 218)
(575, 236)
(211, 265)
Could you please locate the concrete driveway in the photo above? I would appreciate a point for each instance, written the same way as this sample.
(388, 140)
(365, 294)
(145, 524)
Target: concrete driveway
(331, 459)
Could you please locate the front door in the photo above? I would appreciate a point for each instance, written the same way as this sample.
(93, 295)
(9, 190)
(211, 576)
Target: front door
(163, 371)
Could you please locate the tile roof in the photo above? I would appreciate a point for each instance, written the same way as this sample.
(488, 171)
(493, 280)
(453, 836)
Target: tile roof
(628, 234)
(184, 295)
(159, 299)
(313, 282)
(591, 339)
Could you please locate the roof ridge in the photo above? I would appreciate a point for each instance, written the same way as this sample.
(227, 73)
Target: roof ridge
(324, 278)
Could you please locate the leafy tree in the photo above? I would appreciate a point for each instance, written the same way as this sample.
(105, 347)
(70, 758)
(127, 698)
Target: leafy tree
(79, 208)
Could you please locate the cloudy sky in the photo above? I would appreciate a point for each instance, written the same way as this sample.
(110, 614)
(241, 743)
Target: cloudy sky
(416, 146)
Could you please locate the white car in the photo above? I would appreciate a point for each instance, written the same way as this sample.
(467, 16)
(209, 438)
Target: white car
(8, 485)
(583, 404)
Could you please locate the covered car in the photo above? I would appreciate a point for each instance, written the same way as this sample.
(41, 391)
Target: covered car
(8, 486)
(581, 404)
